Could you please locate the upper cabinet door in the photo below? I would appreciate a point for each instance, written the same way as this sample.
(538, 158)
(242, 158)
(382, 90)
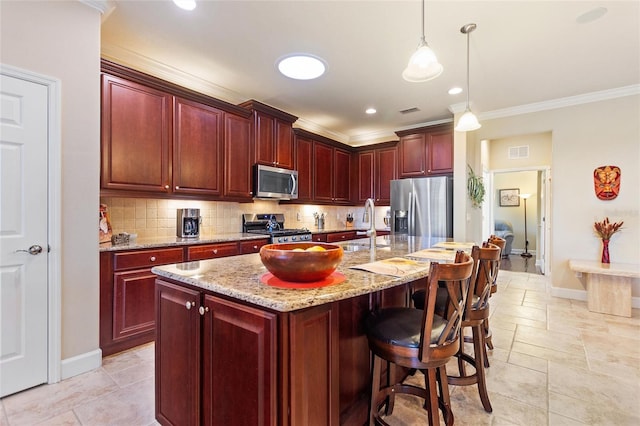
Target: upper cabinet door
(366, 175)
(284, 144)
(304, 165)
(136, 134)
(323, 172)
(264, 131)
(386, 170)
(342, 176)
(412, 155)
(440, 152)
(237, 158)
(197, 149)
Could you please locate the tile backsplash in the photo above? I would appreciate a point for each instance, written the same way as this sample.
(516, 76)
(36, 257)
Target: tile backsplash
(157, 217)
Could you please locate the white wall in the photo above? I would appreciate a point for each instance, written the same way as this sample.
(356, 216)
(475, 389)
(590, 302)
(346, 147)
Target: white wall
(61, 39)
(585, 137)
(526, 182)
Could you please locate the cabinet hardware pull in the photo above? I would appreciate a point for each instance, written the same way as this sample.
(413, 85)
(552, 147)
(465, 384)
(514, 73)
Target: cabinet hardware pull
(202, 310)
(152, 258)
(215, 251)
(166, 187)
(177, 187)
(255, 247)
(190, 304)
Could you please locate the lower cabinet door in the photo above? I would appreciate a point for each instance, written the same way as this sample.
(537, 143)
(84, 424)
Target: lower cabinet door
(239, 366)
(133, 308)
(313, 381)
(178, 371)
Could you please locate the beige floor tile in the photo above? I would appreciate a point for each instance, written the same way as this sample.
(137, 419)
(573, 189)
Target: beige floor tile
(134, 374)
(549, 339)
(558, 420)
(65, 419)
(607, 342)
(528, 361)
(600, 390)
(132, 405)
(522, 312)
(550, 354)
(508, 411)
(3, 418)
(515, 382)
(46, 401)
(587, 412)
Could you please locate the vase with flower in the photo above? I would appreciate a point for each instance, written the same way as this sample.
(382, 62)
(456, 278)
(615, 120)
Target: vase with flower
(605, 231)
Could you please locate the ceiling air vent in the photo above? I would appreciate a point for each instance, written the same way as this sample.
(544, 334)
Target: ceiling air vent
(410, 110)
(516, 152)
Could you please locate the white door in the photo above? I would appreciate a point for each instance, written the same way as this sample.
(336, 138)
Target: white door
(23, 234)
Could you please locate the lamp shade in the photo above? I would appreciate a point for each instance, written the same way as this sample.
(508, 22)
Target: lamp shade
(467, 122)
(423, 65)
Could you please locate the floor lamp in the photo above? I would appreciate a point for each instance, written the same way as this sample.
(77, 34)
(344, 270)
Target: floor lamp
(526, 240)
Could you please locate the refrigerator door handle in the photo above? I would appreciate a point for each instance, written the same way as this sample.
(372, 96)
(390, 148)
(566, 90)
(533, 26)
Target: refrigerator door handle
(411, 218)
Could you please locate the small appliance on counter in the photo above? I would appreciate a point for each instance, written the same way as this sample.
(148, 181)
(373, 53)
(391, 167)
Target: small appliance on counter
(188, 223)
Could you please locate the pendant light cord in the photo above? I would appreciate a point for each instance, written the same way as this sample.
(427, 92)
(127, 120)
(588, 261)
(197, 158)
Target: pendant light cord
(468, 85)
(423, 37)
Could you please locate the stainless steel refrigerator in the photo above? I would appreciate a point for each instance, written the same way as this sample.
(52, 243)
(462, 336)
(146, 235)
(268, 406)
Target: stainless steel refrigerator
(422, 207)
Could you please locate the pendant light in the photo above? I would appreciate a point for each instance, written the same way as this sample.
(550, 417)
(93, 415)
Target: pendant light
(423, 64)
(468, 121)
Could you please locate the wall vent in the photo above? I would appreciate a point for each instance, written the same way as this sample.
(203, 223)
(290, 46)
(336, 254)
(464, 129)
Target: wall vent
(410, 110)
(516, 152)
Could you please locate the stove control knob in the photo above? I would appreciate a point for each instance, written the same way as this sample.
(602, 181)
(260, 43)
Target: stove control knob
(294, 238)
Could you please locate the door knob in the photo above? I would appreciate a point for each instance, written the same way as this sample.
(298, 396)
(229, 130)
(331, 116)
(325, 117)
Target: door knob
(34, 249)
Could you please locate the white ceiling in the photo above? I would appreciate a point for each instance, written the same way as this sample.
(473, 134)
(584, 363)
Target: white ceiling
(522, 52)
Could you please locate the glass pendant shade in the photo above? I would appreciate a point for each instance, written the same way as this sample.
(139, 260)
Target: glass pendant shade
(423, 65)
(467, 122)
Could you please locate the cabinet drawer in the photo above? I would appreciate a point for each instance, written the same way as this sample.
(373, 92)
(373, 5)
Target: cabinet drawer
(146, 258)
(212, 251)
(319, 238)
(341, 236)
(252, 246)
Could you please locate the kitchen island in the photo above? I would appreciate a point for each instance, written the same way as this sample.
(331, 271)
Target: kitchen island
(232, 350)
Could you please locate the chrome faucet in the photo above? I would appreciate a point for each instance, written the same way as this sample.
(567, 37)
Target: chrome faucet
(368, 205)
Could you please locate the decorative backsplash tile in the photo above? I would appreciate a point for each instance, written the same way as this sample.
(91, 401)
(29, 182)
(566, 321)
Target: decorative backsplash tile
(157, 218)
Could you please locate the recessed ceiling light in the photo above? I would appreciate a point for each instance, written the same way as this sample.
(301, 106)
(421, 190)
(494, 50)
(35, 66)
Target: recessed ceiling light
(591, 15)
(185, 4)
(455, 90)
(370, 111)
(301, 66)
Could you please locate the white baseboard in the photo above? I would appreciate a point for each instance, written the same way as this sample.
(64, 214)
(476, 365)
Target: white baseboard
(567, 293)
(82, 363)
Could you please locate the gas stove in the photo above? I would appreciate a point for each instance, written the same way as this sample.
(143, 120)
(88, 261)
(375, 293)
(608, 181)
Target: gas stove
(273, 224)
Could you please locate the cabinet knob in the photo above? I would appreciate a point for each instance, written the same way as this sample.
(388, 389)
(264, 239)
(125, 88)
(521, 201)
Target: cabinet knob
(202, 310)
(177, 187)
(189, 305)
(166, 187)
(215, 251)
(255, 247)
(152, 258)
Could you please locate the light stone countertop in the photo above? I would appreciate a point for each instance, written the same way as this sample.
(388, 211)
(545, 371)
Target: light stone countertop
(239, 276)
(162, 242)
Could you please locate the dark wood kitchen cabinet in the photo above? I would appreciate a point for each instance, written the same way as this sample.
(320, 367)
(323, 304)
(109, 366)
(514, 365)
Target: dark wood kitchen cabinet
(376, 169)
(304, 166)
(162, 140)
(137, 125)
(197, 149)
(426, 152)
(221, 361)
(237, 159)
(127, 289)
(332, 171)
(272, 134)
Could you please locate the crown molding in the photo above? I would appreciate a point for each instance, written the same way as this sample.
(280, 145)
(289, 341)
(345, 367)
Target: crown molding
(166, 72)
(319, 130)
(103, 6)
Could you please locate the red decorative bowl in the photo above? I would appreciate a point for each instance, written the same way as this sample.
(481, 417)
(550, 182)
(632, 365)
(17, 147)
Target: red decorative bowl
(301, 266)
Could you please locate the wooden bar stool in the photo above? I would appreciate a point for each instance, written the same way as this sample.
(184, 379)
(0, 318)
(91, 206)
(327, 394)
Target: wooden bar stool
(501, 243)
(421, 340)
(475, 314)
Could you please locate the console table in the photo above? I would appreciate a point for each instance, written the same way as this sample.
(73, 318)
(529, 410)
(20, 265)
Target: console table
(608, 285)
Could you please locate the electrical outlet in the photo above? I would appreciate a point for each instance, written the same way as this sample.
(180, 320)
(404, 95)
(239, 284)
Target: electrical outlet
(338, 216)
(298, 216)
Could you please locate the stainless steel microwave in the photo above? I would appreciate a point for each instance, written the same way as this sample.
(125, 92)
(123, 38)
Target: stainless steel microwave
(273, 182)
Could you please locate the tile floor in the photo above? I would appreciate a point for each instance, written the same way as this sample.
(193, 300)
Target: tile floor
(554, 363)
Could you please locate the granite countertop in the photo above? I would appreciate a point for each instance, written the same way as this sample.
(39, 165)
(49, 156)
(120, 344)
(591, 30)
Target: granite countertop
(239, 276)
(159, 242)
